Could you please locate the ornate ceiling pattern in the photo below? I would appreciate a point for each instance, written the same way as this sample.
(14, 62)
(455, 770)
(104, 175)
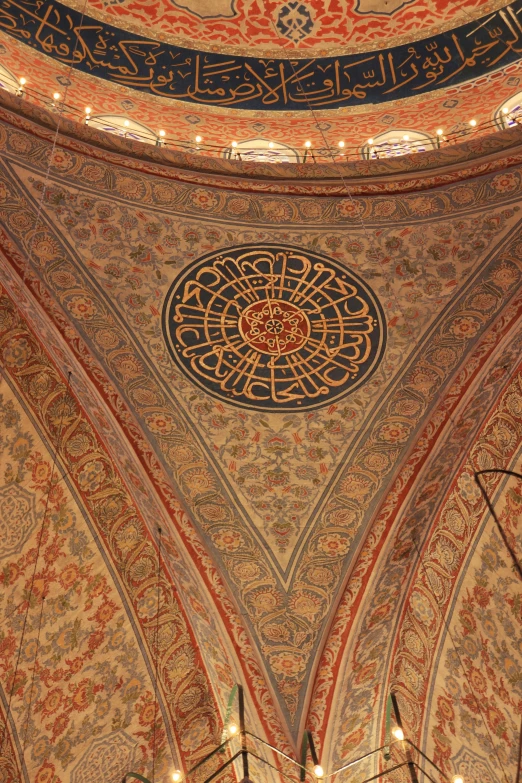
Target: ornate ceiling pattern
(303, 27)
(286, 559)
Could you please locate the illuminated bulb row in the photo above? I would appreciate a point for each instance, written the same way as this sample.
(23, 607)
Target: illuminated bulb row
(199, 139)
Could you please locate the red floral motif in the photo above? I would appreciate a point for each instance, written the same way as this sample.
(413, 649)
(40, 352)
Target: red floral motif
(228, 539)
(204, 199)
(333, 544)
(465, 327)
(83, 621)
(394, 432)
(81, 307)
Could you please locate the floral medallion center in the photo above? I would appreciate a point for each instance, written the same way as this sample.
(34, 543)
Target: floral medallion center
(273, 328)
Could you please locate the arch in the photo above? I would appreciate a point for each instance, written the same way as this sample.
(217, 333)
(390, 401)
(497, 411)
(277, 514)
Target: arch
(8, 80)
(509, 112)
(262, 150)
(125, 127)
(395, 142)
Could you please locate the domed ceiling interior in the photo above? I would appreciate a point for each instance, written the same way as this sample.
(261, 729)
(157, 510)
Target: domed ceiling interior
(242, 404)
(286, 73)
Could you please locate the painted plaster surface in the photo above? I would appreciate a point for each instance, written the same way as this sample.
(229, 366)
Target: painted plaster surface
(81, 678)
(289, 538)
(290, 493)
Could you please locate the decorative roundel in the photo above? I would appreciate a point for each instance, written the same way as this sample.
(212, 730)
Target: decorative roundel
(272, 327)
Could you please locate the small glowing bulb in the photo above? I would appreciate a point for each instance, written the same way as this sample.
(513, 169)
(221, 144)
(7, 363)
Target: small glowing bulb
(162, 133)
(56, 96)
(198, 139)
(88, 110)
(232, 729)
(341, 144)
(23, 80)
(126, 123)
(406, 138)
(458, 779)
(234, 143)
(439, 131)
(370, 141)
(505, 110)
(308, 144)
(176, 776)
(318, 771)
(472, 123)
(398, 733)
(271, 145)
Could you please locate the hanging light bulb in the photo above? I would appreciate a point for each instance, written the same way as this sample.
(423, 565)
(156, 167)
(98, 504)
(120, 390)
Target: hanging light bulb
(308, 144)
(162, 133)
(88, 110)
(232, 729)
(271, 145)
(370, 141)
(398, 733)
(505, 110)
(234, 143)
(56, 96)
(318, 771)
(341, 144)
(472, 123)
(406, 137)
(22, 80)
(458, 779)
(176, 776)
(439, 131)
(198, 139)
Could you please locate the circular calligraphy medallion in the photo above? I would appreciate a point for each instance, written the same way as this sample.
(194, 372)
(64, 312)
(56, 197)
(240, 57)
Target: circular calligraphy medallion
(273, 328)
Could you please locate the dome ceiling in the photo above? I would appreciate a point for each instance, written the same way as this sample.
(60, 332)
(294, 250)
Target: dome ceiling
(214, 79)
(192, 537)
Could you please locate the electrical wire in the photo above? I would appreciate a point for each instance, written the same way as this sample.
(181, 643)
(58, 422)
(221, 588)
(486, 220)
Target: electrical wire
(26, 732)
(154, 747)
(51, 156)
(33, 577)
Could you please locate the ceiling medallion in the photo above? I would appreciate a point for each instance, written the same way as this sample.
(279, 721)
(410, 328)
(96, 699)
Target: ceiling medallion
(273, 328)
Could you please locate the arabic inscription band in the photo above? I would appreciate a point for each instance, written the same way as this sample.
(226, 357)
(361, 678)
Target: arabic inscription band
(273, 327)
(206, 78)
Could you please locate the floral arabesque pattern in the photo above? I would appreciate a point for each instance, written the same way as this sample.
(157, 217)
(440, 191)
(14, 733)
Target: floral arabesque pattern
(278, 467)
(125, 535)
(480, 700)
(83, 676)
(361, 672)
(330, 546)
